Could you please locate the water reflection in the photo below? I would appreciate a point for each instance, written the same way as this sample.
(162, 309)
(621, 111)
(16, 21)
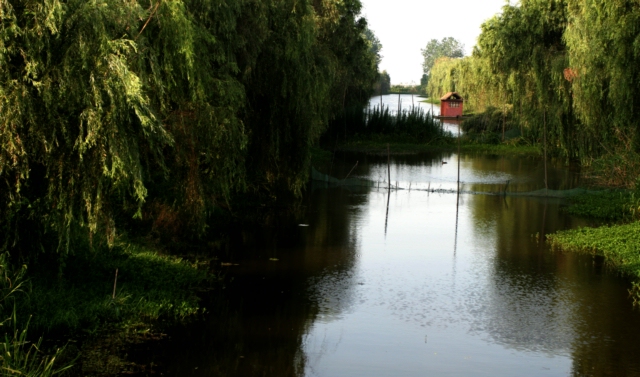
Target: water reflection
(413, 282)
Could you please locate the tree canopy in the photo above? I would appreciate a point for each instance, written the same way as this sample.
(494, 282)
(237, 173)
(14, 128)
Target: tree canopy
(448, 47)
(162, 110)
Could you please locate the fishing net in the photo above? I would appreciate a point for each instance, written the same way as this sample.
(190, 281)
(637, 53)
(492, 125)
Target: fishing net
(325, 180)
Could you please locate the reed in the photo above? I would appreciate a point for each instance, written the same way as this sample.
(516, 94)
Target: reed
(413, 123)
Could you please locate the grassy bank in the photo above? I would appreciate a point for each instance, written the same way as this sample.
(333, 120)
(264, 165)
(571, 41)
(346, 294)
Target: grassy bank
(82, 300)
(435, 101)
(618, 244)
(149, 286)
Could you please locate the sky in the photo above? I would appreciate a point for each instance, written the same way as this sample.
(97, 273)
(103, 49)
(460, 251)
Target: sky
(404, 27)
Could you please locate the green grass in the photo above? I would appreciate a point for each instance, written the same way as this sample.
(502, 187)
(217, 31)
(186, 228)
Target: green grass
(619, 244)
(150, 286)
(435, 101)
(19, 355)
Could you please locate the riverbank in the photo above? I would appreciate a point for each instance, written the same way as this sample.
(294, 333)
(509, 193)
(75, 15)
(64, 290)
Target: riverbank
(99, 303)
(434, 101)
(378, 145)
(617, 242)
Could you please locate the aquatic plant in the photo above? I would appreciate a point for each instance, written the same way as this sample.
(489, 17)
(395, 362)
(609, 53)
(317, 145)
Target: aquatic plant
(413, 124)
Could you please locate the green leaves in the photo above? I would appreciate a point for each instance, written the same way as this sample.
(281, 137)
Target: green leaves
(113, 107)
(448, 47)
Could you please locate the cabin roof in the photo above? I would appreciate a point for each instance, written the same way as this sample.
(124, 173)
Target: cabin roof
(451, 96)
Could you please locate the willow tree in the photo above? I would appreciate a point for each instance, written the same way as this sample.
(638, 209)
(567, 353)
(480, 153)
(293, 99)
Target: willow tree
(102, 100)
(74, 116)
(189, 61)
(604, 54)
(470, 76)
(315, 62)
(526, 51)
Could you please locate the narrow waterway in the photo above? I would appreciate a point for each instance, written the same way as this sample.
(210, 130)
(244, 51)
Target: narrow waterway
(361, 281)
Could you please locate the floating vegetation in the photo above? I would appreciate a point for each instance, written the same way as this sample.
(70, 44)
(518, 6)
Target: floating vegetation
(619, 244)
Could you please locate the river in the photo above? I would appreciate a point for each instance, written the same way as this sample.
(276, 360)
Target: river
(418, 281)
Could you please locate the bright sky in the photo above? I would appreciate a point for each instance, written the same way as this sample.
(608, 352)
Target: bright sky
(406, 26)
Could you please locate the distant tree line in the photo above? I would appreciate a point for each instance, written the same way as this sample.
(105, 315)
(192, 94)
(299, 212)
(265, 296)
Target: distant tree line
(568, 66)
(383, 85)
(161, 111)
(448, 47)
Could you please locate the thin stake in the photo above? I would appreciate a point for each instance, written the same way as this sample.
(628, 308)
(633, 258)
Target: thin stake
(354, 166)
(115, 283)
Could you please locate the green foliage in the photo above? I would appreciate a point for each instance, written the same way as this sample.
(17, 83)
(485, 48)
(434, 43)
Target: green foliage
(448, 47)
(383, 85)
(414, 124)
(113, 110)
(604, 53)
(375, 47)
(612, 205)
(149, 286)
(18, 355)
(619, 245)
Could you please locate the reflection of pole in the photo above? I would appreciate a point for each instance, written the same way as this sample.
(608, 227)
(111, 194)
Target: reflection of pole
(388, 168)
(544, 222)
(455, 242)
(458, 158)
(386, 218)
(546, 184)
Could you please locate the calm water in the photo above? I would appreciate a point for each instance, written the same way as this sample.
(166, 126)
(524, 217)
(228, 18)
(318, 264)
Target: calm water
(414, 283)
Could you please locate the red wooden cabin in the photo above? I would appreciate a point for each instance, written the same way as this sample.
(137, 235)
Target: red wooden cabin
(451, 105)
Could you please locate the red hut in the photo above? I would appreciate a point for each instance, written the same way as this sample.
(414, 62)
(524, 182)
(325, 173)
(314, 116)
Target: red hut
(451, 105)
